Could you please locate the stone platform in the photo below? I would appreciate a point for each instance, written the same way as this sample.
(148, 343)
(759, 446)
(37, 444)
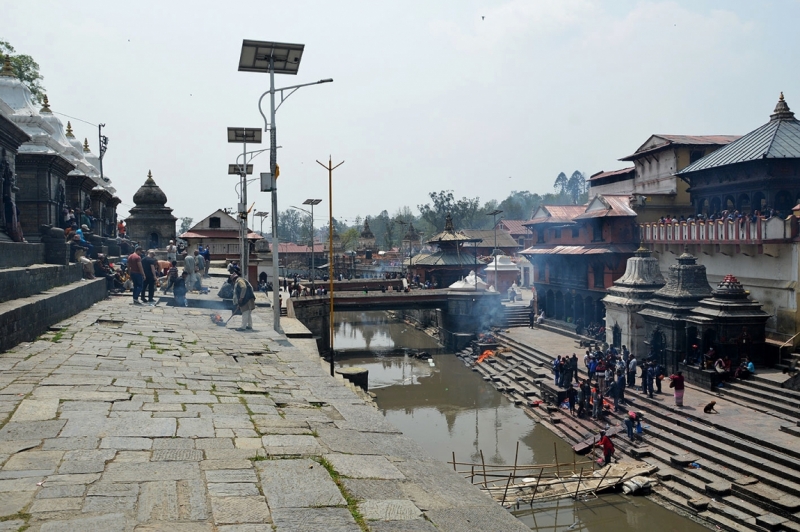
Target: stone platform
(152, 418)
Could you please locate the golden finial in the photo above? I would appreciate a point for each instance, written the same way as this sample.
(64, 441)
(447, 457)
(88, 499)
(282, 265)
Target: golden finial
(781, 97)
(149, 174)
(69, 130)
(86, 145)
(46, 107)
(8, 70)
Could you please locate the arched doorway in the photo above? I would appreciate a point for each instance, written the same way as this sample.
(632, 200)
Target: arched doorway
(704, 207)
(550, 308)
(589, 311)
(783, 202)
(658, 346)
(744, 203)
(715, 203)
(758, 202)
(730, 204)
(616, 336)
(155, 241)
(579, 310)
(559, 306)
(568, 308)
(600, 312)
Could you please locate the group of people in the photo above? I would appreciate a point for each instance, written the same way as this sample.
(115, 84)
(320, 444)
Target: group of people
(730, 215)
(610, 374)
(722, 365)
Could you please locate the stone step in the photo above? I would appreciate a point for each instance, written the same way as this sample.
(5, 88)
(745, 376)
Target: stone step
(767, 385)
(771, 402)
(24, 281)
(24, 319)
(20, 254)
(730, 519)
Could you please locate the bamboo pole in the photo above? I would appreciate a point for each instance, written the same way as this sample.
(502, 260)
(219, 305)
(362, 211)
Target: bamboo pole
(454, 460)
(505, 491)
(555, 452)
(484, 469)
(579, 485)
(516, 455)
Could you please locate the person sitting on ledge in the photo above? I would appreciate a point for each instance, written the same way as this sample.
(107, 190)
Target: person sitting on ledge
(745, 369)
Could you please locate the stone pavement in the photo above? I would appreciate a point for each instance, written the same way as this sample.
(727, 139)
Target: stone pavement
(139, 418)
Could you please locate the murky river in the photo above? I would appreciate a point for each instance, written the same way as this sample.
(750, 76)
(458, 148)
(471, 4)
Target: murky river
(448, 408)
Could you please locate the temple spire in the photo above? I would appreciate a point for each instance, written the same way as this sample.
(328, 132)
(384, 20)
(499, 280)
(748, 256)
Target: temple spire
(8, 69)
(46, 105)
(782, 111)
(86, 145)
(69, 130)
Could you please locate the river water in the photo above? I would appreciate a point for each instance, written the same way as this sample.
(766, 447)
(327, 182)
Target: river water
(448, 408)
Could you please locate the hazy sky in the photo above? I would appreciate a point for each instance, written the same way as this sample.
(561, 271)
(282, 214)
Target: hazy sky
(481, 97)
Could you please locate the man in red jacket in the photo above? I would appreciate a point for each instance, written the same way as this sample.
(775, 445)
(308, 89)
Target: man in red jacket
(607, 445)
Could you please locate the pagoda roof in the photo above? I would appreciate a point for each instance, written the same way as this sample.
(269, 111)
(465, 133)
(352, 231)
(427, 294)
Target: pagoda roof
(777, 139)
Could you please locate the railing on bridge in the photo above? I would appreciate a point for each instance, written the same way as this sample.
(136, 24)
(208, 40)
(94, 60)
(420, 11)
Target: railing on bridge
(742, 231)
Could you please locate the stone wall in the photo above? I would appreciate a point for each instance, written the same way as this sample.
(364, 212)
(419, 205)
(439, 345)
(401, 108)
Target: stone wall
(19, 283)
(22, 320)
(18, 254)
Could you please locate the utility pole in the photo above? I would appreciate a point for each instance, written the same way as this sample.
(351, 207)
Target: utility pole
(330, 168)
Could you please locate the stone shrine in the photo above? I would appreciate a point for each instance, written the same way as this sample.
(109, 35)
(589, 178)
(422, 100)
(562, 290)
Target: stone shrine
(628, 295)
(151, 222)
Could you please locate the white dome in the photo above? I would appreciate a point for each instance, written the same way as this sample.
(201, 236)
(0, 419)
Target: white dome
(501, 263)
(470, 283)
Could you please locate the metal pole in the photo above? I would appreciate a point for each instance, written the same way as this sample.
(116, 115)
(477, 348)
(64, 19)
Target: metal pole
(100, 147)
(330, 169)
(313, 271)
(273, 160)
(243, 212)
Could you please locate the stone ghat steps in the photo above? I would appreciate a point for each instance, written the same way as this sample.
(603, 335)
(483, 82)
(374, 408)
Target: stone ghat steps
(764, 385)
(767, 401)
(736, 511)
(20, 254)
(26, 318)
(24, 281)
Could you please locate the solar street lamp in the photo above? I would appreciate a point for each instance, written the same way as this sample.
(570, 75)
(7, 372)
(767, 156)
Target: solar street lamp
(267, 57)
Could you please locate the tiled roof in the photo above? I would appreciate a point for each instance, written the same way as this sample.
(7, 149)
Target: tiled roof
(589, 249)
(601, 175)
(486, 236)
(777, 139)
(445, 258)
(559, 214)
(515, 227)
(602, 206)
(680, 140)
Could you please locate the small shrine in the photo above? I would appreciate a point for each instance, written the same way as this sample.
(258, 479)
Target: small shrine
(731, 322)
(366, 240)
(451, 260)
(627, 296)
(151, 222)
(501, 273)
(666, 313)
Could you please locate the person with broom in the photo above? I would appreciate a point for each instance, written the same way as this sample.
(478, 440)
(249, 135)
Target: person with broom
(244, 299)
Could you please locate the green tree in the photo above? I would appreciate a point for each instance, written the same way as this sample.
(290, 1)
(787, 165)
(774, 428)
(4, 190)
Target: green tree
(576, 187)
(186, 224)
(349, 239)
(466, 212)
(26, 69)
(289, 226)
(519, 205)
(561, 184)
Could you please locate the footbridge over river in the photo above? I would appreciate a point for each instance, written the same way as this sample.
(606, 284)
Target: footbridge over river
(458, 314)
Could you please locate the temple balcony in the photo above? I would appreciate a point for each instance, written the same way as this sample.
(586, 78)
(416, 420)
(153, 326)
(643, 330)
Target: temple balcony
(737, 232)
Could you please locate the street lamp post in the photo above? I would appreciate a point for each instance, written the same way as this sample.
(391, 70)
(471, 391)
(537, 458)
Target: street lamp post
(243, 135)
(270, 58)
(262, 215)
(494, 214)
(330, 168)
(312, 202)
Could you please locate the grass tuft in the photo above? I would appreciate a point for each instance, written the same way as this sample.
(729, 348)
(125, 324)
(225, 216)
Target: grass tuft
(352, 502)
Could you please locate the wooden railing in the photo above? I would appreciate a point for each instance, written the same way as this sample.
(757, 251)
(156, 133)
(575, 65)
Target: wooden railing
(743, 231)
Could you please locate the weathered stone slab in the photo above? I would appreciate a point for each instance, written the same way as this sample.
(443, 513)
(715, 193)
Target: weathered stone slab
(297, 484)
(213, 443)
(365, 489)
(100, 504)
(151, 471)
(187, 399)
(69, 444)
(126, 444)
(314, 520)
(173, 443)
(210, 465)
(158, 502)
(177, 527)
(168, 455)
(67, 490)
(699, 503)
(247, 527)
(13, 447)
(56, 505)
(233, 489)
(414, 525)
(13, 502)
(770, 521)
(347, 441)
(235, 510)
(389, 510)
(31, 430)
(20, 484)
(231, 475)
(718, 489)
(28, 460)
(364, 466)
(475, 519)
(106, 523)
(282, 444)
(683, 460)
(195, 428)
(35, 410)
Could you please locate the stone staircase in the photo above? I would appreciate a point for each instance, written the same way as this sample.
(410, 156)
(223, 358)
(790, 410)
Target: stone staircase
(516, 315)
(743, 483)
(34, 296)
